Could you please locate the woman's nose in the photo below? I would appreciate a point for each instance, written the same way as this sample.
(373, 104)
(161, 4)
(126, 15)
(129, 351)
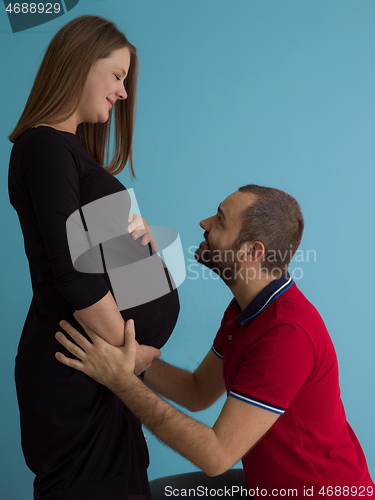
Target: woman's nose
(122, 94)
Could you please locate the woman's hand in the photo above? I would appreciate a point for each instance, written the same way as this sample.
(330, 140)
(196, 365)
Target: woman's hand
(144, 355)
(137, 227)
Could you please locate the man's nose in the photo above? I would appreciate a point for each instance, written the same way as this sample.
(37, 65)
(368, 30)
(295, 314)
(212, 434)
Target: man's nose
(206, 223)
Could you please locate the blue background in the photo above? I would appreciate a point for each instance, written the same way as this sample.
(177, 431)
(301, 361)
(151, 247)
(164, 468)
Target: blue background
(273, 92)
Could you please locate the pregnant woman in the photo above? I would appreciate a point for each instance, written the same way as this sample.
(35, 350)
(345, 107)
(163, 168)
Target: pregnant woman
(78, 438)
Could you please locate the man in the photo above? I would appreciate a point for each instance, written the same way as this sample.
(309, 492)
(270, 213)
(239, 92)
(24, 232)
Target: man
(283, 415)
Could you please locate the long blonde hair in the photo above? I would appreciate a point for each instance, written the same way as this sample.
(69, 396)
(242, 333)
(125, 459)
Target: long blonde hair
(59, 84)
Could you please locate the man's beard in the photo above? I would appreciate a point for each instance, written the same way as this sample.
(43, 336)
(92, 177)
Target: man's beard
(222, 261)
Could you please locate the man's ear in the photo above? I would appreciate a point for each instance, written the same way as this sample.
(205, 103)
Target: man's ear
(251, 251)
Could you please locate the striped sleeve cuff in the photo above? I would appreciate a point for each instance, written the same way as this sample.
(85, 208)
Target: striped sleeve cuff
(257, 402)
(215, 351)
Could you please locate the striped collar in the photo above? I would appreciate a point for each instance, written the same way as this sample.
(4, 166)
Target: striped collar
(265, 298)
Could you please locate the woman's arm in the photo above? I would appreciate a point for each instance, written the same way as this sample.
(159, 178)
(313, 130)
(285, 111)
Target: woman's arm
(105, 319)
(51, 176)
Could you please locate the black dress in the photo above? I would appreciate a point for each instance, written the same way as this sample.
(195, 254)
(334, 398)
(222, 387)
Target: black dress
(77, 437)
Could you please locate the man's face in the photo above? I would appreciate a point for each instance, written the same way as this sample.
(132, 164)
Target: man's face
(219, 251)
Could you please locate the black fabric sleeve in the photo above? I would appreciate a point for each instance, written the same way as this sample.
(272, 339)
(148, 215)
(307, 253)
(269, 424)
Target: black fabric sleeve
(52, 177)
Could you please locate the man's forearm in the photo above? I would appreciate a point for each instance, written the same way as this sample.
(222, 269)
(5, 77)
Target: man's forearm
(173, 383)
(194, 440)
(215, 449)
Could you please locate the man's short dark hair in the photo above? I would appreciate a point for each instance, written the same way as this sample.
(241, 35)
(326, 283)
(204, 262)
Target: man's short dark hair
(275, 218)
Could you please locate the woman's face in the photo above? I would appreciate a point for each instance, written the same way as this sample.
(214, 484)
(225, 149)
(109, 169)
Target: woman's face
(103, 87)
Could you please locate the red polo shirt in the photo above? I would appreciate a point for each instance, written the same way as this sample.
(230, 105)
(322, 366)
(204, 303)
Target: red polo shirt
(277, 354)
